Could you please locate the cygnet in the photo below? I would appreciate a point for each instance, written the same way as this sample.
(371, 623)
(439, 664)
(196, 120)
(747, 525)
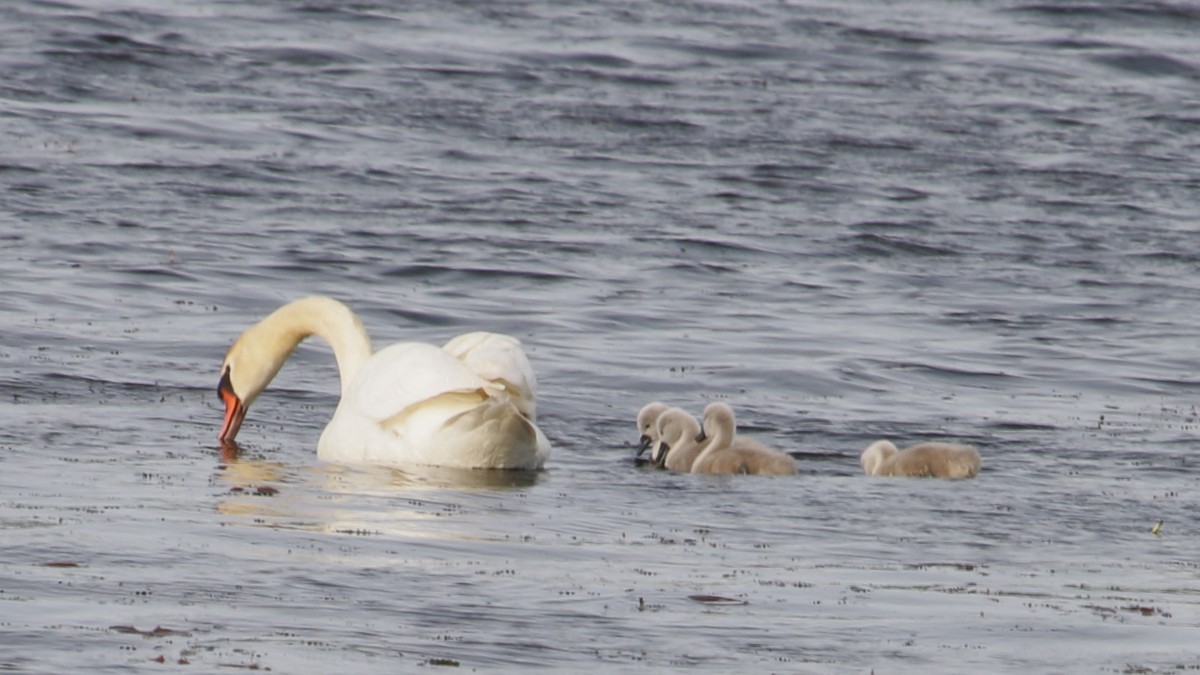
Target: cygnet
(725, 452)
(924, 460)
(647, 419)
(677, 444)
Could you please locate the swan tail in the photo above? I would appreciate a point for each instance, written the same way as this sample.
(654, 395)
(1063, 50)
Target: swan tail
(495, 434)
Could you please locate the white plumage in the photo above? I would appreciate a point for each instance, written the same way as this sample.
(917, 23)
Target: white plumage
(470, 404)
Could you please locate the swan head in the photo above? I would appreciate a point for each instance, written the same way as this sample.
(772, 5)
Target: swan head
(249, 367)
(719, 420)
(675, 429)
(874, 456)
(647, 420)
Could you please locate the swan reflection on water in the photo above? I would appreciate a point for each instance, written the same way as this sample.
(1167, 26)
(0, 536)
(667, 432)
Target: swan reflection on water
(337, 498)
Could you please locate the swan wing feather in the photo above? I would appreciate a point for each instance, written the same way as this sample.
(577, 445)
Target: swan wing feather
(403, 375)
(499, 359)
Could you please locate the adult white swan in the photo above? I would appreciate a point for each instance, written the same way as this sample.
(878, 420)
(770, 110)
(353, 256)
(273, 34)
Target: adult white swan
(470, 404)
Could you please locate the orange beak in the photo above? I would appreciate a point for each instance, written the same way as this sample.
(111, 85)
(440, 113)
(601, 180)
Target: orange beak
(235, 412)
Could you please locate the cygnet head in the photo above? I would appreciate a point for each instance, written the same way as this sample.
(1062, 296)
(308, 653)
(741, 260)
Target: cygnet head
(719, 423)
(875, 455)
(647, 419)
(676, 429)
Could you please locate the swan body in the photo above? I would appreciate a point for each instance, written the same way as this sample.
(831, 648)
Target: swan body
(470, 404)
(725, 452)
(924, 460)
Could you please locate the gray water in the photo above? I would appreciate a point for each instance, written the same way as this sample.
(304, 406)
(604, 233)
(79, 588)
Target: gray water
(969, 221)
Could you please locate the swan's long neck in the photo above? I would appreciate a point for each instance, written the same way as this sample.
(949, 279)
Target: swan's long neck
(336, 324)
(719, 437)
(682, 442)
(286, 327)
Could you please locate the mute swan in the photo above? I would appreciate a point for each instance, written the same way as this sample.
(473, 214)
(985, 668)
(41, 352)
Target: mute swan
(470, 404)
(676, 445)
(647, 420)
(726, 452)
(924, 460)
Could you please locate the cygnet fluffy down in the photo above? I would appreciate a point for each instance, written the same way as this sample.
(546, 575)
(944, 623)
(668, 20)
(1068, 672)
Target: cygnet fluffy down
(725, 452)
(677, 446)
(924, 460)
(647, 420)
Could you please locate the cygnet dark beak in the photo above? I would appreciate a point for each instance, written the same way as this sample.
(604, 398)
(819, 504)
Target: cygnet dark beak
(660, 455)
(643, 445)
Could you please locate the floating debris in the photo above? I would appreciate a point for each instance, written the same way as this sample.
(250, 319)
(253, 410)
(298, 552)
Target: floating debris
(1157, 528)
(158, 631)
(717, 600)
(259, 490)
(1145, 610)
(966, 567)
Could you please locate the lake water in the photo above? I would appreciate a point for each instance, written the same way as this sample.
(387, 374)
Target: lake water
(969, 221)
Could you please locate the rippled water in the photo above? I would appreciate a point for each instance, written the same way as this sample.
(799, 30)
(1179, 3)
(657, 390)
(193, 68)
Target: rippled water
(921, 220)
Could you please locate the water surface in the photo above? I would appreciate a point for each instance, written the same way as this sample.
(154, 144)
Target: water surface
(930, 220)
